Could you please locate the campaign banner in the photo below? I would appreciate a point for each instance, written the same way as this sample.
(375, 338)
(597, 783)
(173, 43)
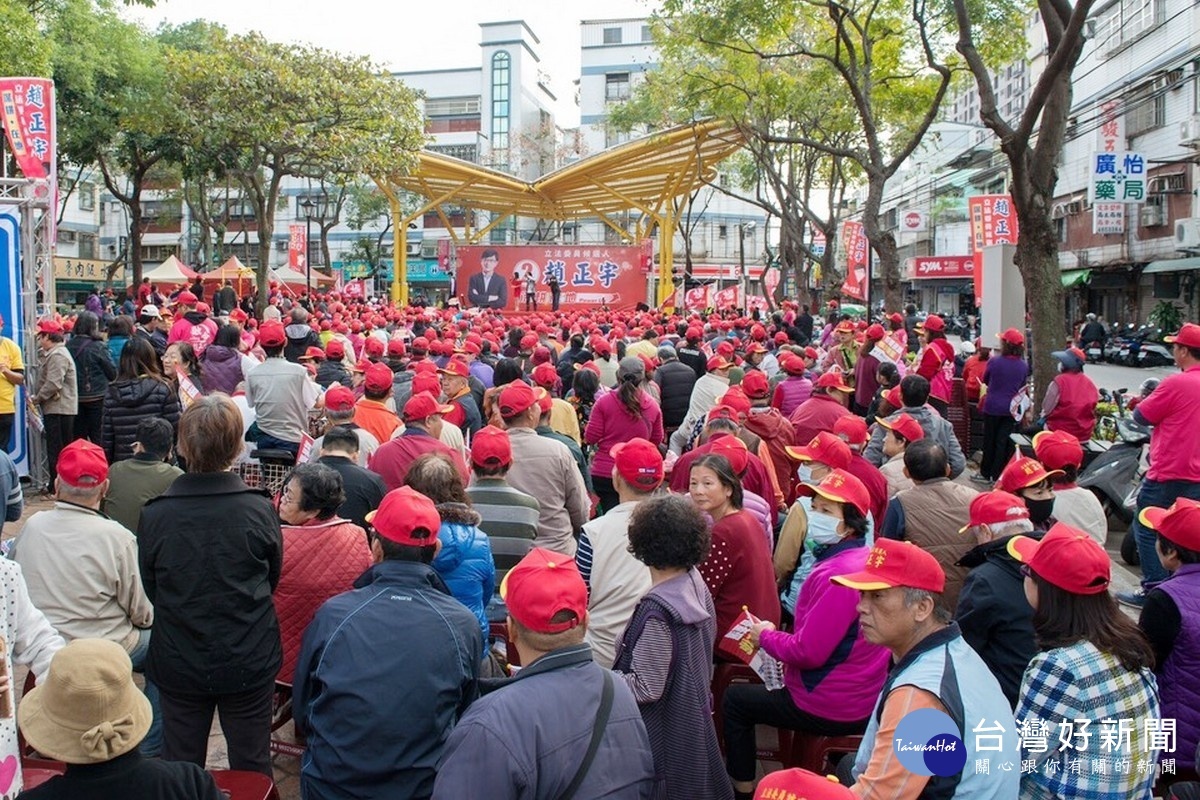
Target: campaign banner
(297, 247)
(993, 221)
(854, 241)
(589, 277)
(697, 298)
(729, 297)
(29, 124)
(770, 280)
(929, 267)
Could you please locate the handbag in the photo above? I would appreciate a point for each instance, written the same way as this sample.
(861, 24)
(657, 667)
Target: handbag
(602, 714)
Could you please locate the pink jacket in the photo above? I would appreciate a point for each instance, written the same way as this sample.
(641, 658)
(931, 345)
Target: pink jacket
(830, 670)
(611, 424)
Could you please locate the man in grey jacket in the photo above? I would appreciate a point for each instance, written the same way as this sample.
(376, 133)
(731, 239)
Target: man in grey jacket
(57, 394)
(914, 392)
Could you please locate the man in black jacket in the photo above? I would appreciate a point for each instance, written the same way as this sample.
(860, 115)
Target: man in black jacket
(691, 355)
(993, 614)
(675, 381)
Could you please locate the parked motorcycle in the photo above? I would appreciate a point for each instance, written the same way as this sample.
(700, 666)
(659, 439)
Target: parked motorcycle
(1115, 477)
(1154, 351)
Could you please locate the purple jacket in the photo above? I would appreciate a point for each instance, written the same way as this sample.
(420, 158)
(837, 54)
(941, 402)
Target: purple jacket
(830, 670)
(1177, 675)
(790, 393)
(611, 423)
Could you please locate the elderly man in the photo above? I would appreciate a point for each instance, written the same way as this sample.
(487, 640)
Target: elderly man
(993, 614)
(133, 482)
(455, 385)
(96, 591)
(616, 580)
(422, 431)
(823, 408)
(564, 726)
(914, 393)
(675, 382)
(935, 673)
(708, 390)
(364, 489)
(280, 392)
(544, 469)
(57, 392)
(397, 655)
(507, 516)
(340, 410)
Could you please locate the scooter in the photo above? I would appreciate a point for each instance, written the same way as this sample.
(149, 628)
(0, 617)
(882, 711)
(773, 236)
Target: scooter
(1115, 477)
(1154, 352)
(1095, 352)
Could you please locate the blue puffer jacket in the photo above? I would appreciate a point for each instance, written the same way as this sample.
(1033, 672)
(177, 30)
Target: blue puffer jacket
(465, 560)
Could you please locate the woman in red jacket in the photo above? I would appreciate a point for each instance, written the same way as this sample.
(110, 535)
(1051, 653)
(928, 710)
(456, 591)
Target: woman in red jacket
(738, 570)
(935, 361)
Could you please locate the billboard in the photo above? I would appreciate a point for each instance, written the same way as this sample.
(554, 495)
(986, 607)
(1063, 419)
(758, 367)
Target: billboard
(993, 221)
(589, 276)
(927, 267)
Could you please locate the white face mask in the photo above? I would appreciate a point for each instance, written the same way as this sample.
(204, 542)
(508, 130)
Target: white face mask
(823, 528)
(804, 473)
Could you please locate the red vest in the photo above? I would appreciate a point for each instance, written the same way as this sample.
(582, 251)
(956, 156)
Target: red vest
(1076, 409)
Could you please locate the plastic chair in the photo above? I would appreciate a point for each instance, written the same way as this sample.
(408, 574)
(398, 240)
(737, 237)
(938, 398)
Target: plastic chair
(814, 753)
(281, 715)
(725, 675)
(240, 785)
(37, 771)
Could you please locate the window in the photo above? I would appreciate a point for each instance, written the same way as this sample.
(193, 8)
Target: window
(451, 106)
(646, 37)
(616, 86)
(1126, 21)
(87, 245)
(722, 231)
(87, 196)
(466, 152)
(1171, 183)
(1147, 109)
(612, 35)
(501, 77)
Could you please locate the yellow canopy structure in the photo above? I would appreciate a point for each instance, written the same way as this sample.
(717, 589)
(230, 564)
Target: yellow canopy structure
(643, 175)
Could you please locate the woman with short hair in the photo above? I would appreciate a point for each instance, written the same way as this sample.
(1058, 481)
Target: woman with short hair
(211, 553)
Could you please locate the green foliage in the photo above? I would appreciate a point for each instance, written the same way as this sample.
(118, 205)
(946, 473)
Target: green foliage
(1167, 316)
(23, 50)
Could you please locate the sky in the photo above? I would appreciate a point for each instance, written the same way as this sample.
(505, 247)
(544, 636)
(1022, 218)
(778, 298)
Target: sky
(406, 35)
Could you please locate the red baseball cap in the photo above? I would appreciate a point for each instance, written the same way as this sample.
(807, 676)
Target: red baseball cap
(736, 399)
(529, 341)
(755, 385)
(82, 464)
(791, 363)
(851, 428)
(420, 345)
(904, 426)
(335, 349)
(373, 347)
(313, 354)
(992, 508)
(1180, 523)
(800, 784)
(1066, 557)
(237, 315)
(845, 326)
(1188, 336)
(186, 298)
(722, 412)
(49, 326)
(378, 378)
(876, 332)
(423, 405)
(427, 382)
(693, 333)
(544, 375)
(272, 334)
(456, 367)
(406, 517)
(395, 348)
(639, 463)
(755, 347)
(895, 563)
(1022, 472)
(812, 353)
(360, 365)
(1057, 449)
(516, 398)
(541, 586)
(832, 380)
(825, 448)
(893, 397)
(932, 323)
(339, 398)
(544, 400)
(896, 317)
(718, 362)
(733, 449)
(490, 447)
(1011, 336)
(840, 487)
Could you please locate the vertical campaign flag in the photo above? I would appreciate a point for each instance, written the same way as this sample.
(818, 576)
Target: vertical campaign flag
(854, 240)
(1109, 217)
(297, 247)
(993, 221)
(697, 297)
(29, 124)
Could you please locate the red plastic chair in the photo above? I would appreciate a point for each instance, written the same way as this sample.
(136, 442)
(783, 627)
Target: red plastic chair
(239, 785)
(281, 715)
(815, 753)
(725, 675)
(37, 771)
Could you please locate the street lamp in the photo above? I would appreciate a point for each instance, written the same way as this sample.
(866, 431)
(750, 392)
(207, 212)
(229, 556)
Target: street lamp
(309, 209)
(743, 227)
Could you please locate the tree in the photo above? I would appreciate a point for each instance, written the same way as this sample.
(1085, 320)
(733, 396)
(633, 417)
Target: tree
(23, 48)
(265, 111)
(367, 208)
(1032, 145)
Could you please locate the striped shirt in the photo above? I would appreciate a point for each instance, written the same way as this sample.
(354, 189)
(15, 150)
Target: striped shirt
(509, 517)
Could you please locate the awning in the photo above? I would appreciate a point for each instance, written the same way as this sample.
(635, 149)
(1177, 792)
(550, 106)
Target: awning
(1172, 265)
(1076, 277)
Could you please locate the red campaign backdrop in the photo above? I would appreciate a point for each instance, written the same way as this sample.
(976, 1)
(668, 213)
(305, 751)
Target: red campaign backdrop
(589, 276)
(854, 239)
(993, 221)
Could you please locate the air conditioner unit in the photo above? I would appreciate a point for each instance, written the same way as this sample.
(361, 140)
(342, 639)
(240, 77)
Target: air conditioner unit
(1189, 132)
(1187, 233)
(1152, 216)
(413, 249)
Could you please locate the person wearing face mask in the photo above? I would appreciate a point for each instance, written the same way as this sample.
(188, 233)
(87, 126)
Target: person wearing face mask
(1029, 479)
(832, 675)
(932, 512)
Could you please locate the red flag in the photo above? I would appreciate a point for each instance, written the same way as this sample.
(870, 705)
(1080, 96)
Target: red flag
(736, 641)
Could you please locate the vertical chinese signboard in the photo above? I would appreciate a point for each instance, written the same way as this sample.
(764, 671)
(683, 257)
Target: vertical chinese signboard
(29, 126)
(993, 221)
(297, 247)
(1117, 178)
(1109, 217)
(590, 277)
(854, 240)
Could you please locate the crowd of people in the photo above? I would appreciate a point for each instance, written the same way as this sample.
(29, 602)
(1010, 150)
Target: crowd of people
(508, 557)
